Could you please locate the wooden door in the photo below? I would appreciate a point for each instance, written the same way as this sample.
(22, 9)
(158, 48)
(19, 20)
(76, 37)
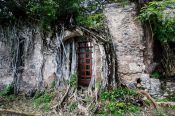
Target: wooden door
(84, 63)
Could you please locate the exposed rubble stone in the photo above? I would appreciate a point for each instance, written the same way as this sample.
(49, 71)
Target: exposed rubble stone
(127, 35)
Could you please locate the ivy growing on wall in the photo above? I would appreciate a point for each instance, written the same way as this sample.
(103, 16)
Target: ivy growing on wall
(161, 15)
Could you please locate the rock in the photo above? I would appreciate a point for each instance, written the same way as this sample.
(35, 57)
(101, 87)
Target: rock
(30, 93)
(165, 94)
(49, 81)
(71, 34)
(2, 86)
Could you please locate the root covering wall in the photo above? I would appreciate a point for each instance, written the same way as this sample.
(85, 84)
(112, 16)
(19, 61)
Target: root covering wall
(24, 59)
(31, 59)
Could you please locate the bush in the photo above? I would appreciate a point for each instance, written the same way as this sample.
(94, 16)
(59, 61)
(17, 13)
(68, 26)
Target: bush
(73, 80)
(156, 75)
(171, 98)
(117, 93)
(156, 13)
(94, 21)
(43, 100)
(113, 102)
(45, 12)
(8, 90)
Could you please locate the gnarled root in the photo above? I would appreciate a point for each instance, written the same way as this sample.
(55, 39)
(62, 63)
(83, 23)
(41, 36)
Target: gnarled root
(144, 93)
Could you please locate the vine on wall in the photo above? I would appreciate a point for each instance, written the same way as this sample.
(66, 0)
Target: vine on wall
(160, 14)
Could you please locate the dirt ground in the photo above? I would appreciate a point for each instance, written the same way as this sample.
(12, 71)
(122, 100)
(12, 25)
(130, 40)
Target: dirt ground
(20, 105)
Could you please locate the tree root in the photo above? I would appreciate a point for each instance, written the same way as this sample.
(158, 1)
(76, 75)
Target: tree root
(17, 113)
(62, 99)
(144, 93)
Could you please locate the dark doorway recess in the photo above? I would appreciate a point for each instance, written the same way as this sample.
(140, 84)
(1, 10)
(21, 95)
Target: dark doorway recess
(84, 63)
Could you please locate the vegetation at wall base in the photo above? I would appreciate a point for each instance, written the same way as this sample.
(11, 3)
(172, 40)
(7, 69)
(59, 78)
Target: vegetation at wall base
(156, 75)
(42, 101)
(8, 90)
(118, 102)
(74, 80)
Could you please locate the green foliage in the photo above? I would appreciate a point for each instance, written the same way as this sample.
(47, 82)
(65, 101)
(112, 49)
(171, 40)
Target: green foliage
(156, 75)
(115, 107)
(45, 12)
(119, 92)
(120, 108)
(43, 101)
(172, 107)
(171, 98)
(147, 102)
(49, 12)
(8, 90)
(94, 21)
(159, 112)
(159, 14)
(53, 84)
(73, 80)
(72, 106)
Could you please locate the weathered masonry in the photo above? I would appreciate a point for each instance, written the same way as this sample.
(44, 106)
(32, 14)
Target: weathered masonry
(33, 60)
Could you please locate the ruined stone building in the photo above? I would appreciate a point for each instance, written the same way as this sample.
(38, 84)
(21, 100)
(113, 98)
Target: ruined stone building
(36, 59)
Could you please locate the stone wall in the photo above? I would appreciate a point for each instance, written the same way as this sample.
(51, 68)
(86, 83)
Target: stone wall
(127, 35)
(168, 87)
(43, 59)
(134, 49)
(36, 66)
(5, 69)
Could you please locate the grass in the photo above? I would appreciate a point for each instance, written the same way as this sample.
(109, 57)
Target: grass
(43, 100)
(168, 99)
(8, 90)
(156, 75)
(112, 104)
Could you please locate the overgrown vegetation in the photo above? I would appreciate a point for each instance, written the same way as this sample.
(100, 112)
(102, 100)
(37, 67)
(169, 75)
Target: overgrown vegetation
(94, 21)
(8, 90)
(43, 100)
(156, 75)
(161, 16)
(74, 80)
(49, 13)
(118, 101)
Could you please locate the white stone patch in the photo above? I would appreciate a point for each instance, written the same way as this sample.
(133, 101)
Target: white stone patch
(134, 67)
